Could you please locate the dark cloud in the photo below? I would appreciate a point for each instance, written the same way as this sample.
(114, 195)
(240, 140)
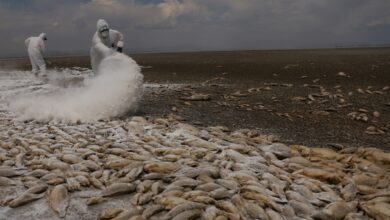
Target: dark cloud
(183, 25)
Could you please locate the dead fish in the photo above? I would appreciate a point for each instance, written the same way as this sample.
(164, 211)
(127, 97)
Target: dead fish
(186, 182)
(91, 165)
(59, 200)
(40, 188)
(379, 211)
(19, 159)
(145, 198)
(137, 217)
(355, 216)
(182, 208)
(258, 188)
(304, 191)
(261, 199)
(118, 164)
(25, 198)
(381, 193)
(37, 173)
(310, 184)
(9, 172)
(187, 215)
(161, 167)
(365, 179)
(208, 187)
(144, 186)
(56, 164)
(170, 202)
(349, 191)
(366, 190)
(322, 175)
(377, 156)
(235, 156)
(157, 187)
(96, 183)
(336, 210)
(95, 200)
(199, 143)
(127, 214)
(221, 193)
(299, 160)
(326, 197)
(151, 210)
(280, 150)
(110, 213)
(134, 173)
(72, 184)
(325, 153)
(202, 199)
(273, 215)
(153, 176)
(226, 206)
(117, 151)
(203, 178)
(292, 195)
(71, 158)
(210, 213)
(288, 212)
(210, 171)
(254, 211)
(82, 180)
(118, 189)
(301, 209)
(194, 193)
(52, 175)
(56, 181)
(4, 181)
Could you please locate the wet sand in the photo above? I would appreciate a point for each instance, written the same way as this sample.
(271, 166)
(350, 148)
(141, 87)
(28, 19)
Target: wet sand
(311, 97)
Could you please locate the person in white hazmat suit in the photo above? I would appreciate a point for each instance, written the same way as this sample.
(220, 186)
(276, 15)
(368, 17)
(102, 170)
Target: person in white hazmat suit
(36, 52)
(104, 43)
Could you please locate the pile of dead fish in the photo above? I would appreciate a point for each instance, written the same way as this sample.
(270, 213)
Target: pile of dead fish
(165, 169)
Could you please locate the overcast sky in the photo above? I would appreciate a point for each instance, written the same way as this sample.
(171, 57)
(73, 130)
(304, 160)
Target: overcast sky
(189, 25)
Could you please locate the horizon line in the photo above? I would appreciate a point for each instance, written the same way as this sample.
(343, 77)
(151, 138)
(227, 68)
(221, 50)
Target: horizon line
(71, 54)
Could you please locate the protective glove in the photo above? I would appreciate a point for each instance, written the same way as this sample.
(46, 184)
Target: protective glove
(47, 61)
(119, 49)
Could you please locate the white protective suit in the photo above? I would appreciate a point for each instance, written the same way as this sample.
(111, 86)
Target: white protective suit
(104, 46)
(36, 51)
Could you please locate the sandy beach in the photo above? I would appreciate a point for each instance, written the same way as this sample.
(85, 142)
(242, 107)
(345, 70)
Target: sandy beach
(218, 135)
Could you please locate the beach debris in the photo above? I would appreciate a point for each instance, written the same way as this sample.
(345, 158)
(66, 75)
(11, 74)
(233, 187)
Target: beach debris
(197, 97)
(342, 74)
(290, 66)
(321, 113)
(374, 130)
(358, 116)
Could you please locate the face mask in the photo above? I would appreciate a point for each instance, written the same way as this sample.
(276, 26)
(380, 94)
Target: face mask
(104, 34)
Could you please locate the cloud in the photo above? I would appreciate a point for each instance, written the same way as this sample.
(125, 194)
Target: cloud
(384, 21)
(172, 9)
(173, 25)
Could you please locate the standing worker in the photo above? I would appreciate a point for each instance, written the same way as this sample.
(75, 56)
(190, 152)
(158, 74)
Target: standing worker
(105, 42)
(36, 51)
